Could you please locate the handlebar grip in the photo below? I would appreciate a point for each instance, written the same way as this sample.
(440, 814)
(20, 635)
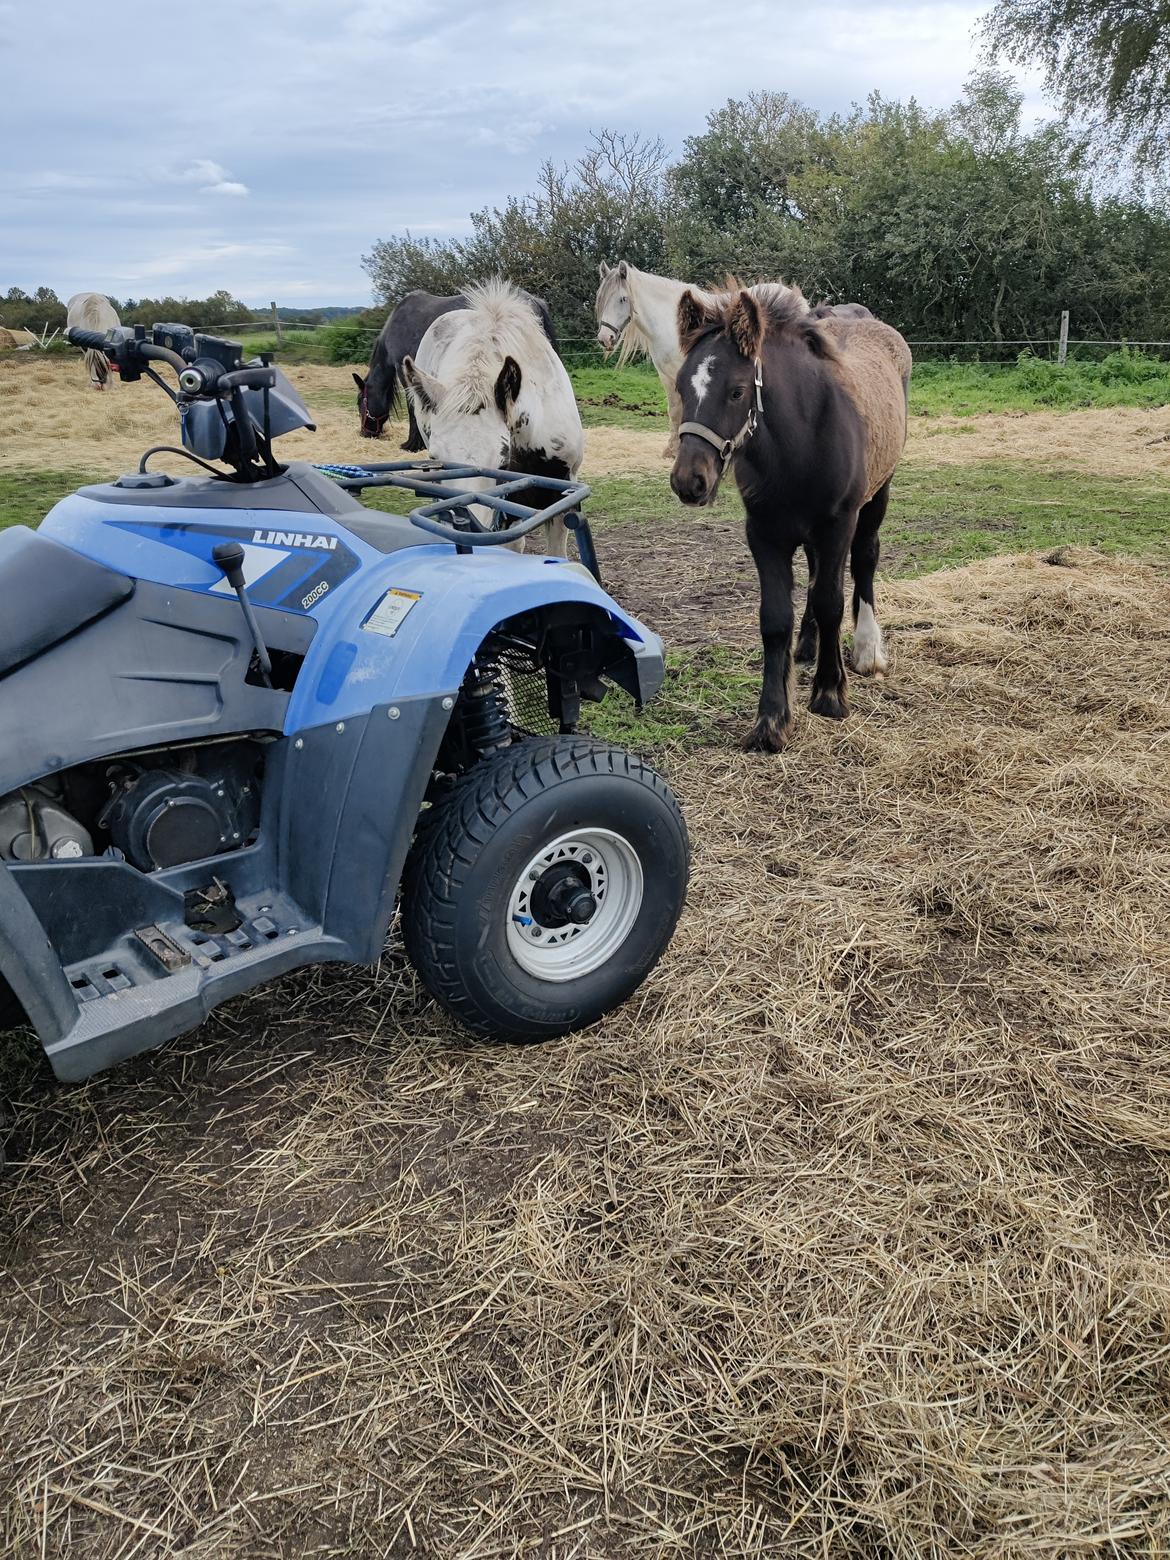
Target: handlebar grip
(87, 338)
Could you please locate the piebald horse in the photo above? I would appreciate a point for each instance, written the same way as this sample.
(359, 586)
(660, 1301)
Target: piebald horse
(399, 338)
(93, 311)
(812, 415)
(488, 389)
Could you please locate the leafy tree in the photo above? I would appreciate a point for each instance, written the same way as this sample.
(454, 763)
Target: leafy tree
(1107, 62)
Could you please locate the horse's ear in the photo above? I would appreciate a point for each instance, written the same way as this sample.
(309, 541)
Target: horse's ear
(602, 270)
(694, 318)
(359, 381)
(746, 325)
(623, 269)
(424, 386)
(508, 384)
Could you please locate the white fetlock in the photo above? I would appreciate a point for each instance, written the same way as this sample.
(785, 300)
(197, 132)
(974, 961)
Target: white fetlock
(869, 652)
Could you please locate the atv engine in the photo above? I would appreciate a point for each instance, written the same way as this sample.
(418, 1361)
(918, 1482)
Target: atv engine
(161, 817)
(153, 810)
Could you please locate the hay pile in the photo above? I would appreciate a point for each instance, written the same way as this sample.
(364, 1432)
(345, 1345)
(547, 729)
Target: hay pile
(846, 1237)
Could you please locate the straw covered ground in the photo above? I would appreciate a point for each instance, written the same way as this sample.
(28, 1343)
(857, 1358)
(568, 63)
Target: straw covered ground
(846, 1237)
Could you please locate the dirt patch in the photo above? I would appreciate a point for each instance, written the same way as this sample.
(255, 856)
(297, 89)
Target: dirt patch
(845, 1237)
(693, 581)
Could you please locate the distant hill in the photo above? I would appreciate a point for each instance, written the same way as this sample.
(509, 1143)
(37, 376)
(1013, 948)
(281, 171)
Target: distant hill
(332, 311)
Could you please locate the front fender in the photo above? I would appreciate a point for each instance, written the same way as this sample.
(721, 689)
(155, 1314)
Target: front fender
(446, 605)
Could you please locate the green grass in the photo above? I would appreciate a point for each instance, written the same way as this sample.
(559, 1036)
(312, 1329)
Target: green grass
(27, 496)
(941, 516)
(945, 515)
(708, 693)
(632, 397)
(611, 397)
(1033, 384)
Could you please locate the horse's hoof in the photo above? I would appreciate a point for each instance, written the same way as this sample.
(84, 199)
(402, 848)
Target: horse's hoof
(868, 660)
(770, 734)
(829, 703)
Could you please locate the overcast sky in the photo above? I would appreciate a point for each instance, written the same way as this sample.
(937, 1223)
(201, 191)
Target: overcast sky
(151, 148)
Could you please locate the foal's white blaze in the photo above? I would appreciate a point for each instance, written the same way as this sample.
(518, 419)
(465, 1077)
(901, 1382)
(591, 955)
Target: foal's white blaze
(869, 657)
(701, 380)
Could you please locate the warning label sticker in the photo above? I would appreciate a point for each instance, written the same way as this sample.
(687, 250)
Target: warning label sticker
(390, 613)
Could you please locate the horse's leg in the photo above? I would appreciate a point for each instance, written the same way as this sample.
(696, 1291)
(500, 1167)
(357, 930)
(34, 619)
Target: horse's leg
(773, 558)
(675, 409)
(556, 538)
(828, 603)
(869, 655)
(415, 443)
(806, 640)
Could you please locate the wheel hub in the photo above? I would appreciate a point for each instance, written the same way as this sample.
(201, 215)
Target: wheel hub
(562, 895)
(574, 904)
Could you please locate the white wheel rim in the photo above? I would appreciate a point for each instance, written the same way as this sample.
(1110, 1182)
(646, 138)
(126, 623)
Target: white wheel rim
(615, 882)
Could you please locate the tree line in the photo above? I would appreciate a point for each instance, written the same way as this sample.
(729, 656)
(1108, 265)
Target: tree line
(20, 310)
(960, 224)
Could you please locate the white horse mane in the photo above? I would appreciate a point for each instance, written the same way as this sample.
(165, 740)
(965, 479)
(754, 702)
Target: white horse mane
(499, 322)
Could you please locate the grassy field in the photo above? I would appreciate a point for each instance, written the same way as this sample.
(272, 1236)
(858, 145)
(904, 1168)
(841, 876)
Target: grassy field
(845, 1239)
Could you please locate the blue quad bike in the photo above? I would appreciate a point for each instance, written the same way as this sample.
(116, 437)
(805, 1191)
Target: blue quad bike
(242, 716)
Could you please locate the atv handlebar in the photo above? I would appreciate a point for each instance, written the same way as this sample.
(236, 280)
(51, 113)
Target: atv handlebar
(117, 349)
(201, 377)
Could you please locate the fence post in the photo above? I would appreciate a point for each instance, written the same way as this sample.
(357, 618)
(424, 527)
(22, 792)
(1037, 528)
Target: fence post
(1062, 349)
(280, 334)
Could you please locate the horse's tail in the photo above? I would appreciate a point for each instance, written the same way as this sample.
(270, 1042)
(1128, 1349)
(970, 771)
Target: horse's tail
(395, 390)
(99, 367)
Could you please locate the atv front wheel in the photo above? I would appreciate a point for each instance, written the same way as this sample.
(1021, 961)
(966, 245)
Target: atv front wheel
(545, 887)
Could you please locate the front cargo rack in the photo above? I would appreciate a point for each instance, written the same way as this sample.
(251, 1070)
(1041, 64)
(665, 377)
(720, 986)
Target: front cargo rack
(445, 484)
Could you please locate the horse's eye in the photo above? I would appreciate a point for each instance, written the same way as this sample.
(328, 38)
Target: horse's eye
(737, 393)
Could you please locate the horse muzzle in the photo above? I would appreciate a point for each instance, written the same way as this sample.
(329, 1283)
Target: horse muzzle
(695, 477)
(606, 339)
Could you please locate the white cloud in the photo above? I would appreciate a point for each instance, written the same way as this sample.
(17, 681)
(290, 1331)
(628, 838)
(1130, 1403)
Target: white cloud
(516, 138)
(211, 177)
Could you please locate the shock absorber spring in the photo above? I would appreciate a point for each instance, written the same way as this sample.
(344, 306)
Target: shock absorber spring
(483, 705)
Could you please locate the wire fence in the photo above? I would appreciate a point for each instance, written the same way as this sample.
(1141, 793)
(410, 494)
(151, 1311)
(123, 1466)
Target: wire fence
(986, 351)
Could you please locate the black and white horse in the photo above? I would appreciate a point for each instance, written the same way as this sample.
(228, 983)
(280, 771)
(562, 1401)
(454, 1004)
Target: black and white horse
(488, 389)
(378, 392)
(812, 414)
